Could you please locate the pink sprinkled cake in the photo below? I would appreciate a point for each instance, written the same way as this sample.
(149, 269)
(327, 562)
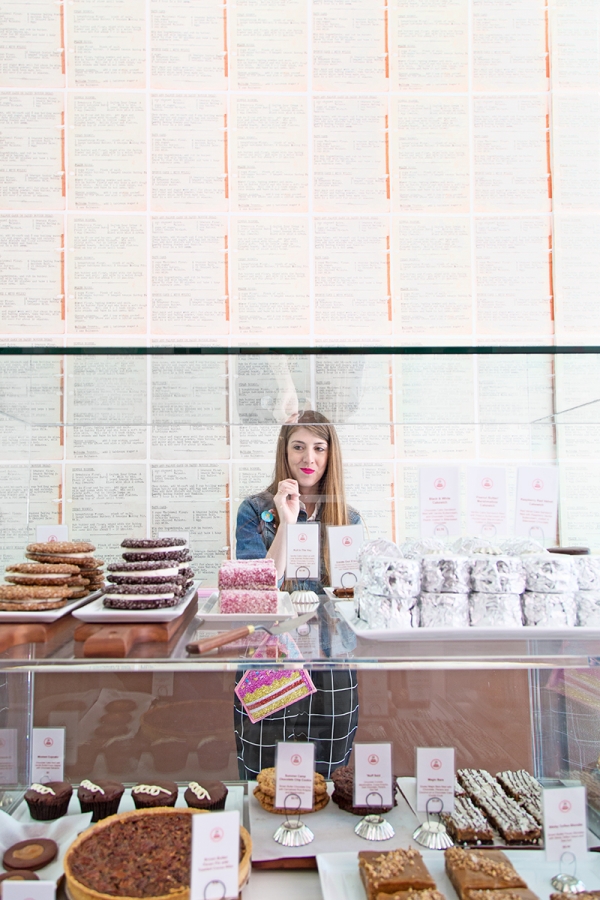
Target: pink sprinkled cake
(248, 601)
(248, 575)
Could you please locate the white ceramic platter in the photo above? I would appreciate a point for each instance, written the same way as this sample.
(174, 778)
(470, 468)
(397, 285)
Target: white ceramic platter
(46, 615)
(209, 611)
(97, 614)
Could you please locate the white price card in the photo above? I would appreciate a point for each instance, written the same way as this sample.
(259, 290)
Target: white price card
(215, 856)
(537, 503)
(47, 755)
(373, 780)
(8, 756)
(439, 501)
(565, 822)
(302, 551)
(45, 533)
(28, 890)
(294, 774)
(435, 777)
(345, 542)
(486, 501)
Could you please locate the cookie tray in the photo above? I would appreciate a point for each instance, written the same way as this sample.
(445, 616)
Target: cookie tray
(96, 614)
(338, 872)
(345, 609)
(45, 615)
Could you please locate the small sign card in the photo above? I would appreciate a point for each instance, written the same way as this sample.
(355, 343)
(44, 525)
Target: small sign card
(302, 559)
(345, 542)
(215, 856)
(44, 533)
(373, 775)
(439, 502)
(486, 501)
(565, 822)
(47, 755)
(28, 890)
(8, 756)
(435, 777)
(537, 503)
(294, 774)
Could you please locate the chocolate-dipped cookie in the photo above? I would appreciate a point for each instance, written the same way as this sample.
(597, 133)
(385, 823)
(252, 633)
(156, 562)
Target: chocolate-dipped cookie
(15, 875)
(34, 853)
(141, 596)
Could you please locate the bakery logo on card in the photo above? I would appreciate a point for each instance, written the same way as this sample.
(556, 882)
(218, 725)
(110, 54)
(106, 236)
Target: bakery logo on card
(347, 541)
(52, 538)
(564, 806)
(373, 759)
(216, 835)
(487, 483)
(48, 742)
(537, 484)
(296, 760)
(439, 484)
(302, 537)
(436, 764)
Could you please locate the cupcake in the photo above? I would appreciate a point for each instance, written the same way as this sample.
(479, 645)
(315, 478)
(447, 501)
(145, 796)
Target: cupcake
(48, 801)
(169, 754)
(101, 798)
(208, 795)
(160, 793)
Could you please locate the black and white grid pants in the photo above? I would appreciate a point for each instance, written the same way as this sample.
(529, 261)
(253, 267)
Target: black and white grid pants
(328, 718)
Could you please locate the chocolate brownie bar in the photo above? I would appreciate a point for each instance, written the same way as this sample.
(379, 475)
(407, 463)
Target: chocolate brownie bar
(512, 821)
(470, 870)
(394, 870)
(466, 823)
(523, 788)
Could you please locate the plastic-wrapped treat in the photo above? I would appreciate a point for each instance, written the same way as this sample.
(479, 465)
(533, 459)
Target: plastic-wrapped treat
(497, 574)
(551, 574)
(549, 610)
(523, 547)
(588, 608)
(415, 549)
(446, 574)
(495, 610)
(469, 546)
(443, 610)
(587, 571)
(378, 611)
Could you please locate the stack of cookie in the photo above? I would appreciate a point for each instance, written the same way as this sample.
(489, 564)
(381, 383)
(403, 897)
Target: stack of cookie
(153, 574)
(343, 794)
(58, 571)
(265, 793)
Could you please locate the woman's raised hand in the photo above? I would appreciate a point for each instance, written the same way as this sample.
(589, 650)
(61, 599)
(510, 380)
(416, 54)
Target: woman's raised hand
(287, 501)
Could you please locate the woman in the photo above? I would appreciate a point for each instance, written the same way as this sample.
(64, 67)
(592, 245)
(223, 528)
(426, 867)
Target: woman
(308, 487)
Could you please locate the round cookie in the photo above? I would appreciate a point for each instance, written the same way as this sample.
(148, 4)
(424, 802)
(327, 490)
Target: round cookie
(156, 556)
(153, 543)
(18, 876)
(30, 605)
(266, 782)
(48, 801)
(32, 854)
(140, 596)
(267, 803)
(50, 574)
(84, 562)
(33, 592)
(60, 548)
(158, 793)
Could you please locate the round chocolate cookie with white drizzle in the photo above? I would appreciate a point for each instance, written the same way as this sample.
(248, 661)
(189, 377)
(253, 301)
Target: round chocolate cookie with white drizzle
(159, 793)
(101, 798)
(206, 795)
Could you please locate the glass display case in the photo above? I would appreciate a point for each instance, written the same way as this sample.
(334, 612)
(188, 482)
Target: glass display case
(135, 443)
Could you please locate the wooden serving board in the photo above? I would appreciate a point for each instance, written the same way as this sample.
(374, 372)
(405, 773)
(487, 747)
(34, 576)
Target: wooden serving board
(51, 633)
(117, 641)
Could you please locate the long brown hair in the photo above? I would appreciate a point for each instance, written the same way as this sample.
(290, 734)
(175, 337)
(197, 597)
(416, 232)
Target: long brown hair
(330, 490)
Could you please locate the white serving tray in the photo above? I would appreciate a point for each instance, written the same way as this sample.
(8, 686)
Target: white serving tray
(209, 611)
(45, 615)
(526, 633)
(98, 614)
(340, 880)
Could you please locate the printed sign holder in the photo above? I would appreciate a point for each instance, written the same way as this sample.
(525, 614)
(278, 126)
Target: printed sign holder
(348, 579)
(293, 833)
(433, 835)
(302, 573)
(374, 827)
(223, 888)
(564, 882)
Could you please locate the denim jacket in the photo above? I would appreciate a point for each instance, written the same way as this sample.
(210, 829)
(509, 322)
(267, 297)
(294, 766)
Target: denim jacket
(254, 536)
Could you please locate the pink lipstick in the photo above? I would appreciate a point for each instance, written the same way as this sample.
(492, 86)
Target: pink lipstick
(307, 471)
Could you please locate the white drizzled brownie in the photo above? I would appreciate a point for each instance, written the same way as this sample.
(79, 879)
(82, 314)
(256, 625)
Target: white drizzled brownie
(524, 789)
(512, 821)
(467, 823)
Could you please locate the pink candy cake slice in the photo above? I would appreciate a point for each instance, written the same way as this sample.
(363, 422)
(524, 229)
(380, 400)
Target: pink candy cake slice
(248, 601)
(248, 575)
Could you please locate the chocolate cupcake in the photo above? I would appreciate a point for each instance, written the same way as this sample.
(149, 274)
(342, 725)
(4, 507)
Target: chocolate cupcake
(48, 801)
(207, 795)
(159, 793)
(101, 798)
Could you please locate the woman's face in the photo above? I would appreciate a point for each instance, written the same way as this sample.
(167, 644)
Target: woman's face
(307, 458)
